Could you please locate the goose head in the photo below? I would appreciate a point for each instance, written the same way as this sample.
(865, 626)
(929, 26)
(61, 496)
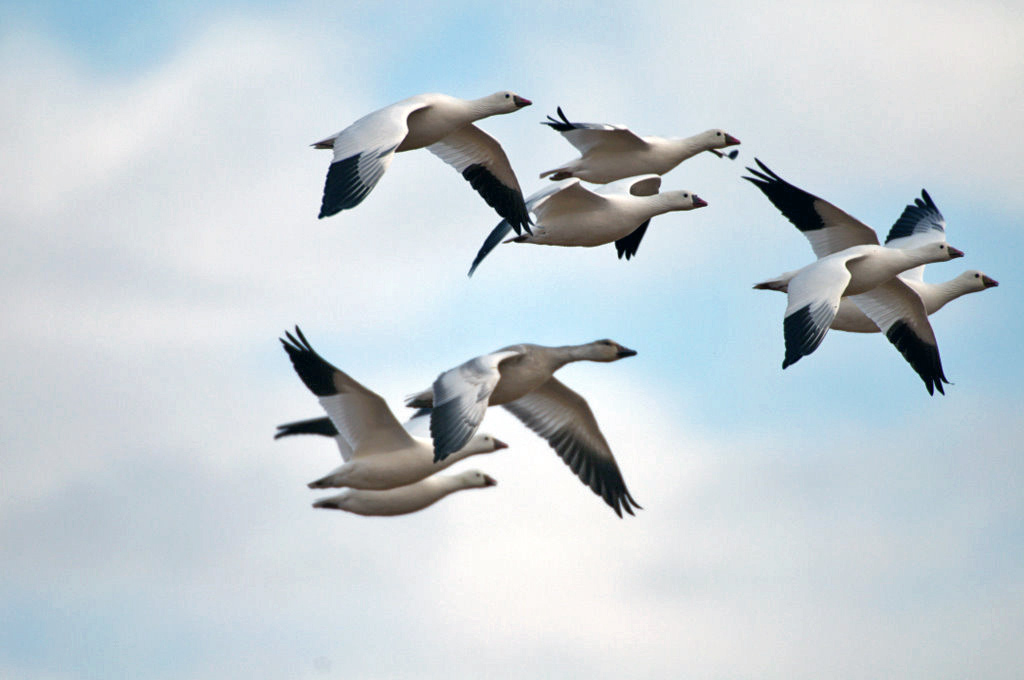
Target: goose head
(936, 252)
(506, 102)
(483, 443)
(605, 350)
(683, 200)
(975, 280)
(716, 139)
(471, 479)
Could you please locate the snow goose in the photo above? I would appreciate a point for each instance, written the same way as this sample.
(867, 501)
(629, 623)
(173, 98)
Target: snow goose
(851, 263)
(920, 223)
(377, 452)
(611, 152)
(569, 214)
(404, 499)
(521, 378)
(442, 124)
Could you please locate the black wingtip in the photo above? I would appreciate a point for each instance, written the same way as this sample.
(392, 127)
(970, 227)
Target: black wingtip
(343, 188)
(490, 243)
(319, 426)
(315, 371)
(505, 200)
(562, 125)
(629, 244)
(922, 356)
(803, 331)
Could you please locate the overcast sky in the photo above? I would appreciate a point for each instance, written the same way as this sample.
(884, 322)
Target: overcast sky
(158, 208)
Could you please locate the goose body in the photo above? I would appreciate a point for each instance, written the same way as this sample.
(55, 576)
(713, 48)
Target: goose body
(404, 499)
(377, 452)
(570, 214)
(521, 379)
(443, 125)
(612, 152)
(851, 264)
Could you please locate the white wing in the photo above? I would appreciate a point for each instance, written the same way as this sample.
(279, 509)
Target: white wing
(461, 398)
(828, 228)
(416, 426)
(360, 415)
(362, 152)
(900, 314)
(480, 159)
(813, 300)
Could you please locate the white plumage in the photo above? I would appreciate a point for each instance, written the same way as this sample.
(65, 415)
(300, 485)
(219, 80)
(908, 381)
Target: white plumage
(612, 152)
(520, 378)
(570, 214)
(377, 452)
(851, 263)
(404, 499)
(442, 124)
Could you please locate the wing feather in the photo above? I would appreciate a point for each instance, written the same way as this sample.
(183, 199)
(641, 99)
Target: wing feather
(564, 419)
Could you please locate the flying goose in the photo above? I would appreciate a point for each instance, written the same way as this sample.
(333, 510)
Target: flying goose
(520, 378)
(851, 263)
(611, 152)
(403, 500)
(442, 124)
(569, 214)
(377, 452)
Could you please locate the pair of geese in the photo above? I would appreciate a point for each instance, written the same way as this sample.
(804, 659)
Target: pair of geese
(855, 285)
(567, 213)
(386, 470)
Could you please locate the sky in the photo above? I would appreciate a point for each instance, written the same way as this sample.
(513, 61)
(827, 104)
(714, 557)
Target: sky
(159, 211)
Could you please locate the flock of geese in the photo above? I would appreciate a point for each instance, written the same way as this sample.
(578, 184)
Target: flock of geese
(856, 284)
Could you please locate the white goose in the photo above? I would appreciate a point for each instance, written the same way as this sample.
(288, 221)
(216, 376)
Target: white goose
(521, 378)
(377, 452)
(404, 499)
(851, 263)
(442, 124)
(569, 214)
(611, 152)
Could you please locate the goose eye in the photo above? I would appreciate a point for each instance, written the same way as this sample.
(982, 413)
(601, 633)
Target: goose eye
(718, 134)
(686, 195)
(977, 276)
(507, 95)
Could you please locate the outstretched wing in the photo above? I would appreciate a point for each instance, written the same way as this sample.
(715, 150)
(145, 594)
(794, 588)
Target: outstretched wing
(899, 312)
(920, 224)
(564, 419)
(362, 152)
(828, 228)
(813, 300)
(360, 415)
(480, 159)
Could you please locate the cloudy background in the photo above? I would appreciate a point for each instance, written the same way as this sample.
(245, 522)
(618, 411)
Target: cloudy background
(158, 208)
